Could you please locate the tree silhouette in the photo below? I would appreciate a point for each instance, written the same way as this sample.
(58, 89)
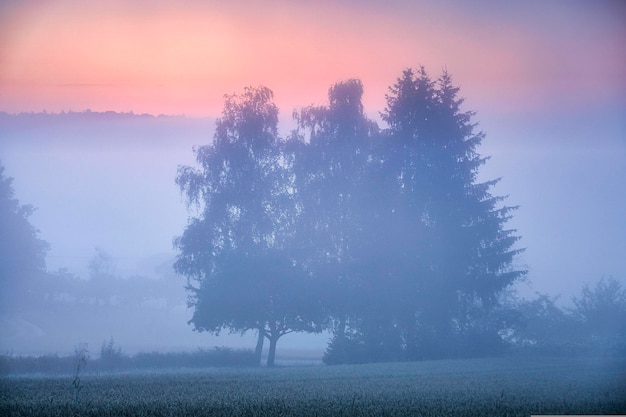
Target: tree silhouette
(331, 150)
(22, 252)
(237, 255)
(428, 242)
(386, 235)
(601, 309)
(459, 253)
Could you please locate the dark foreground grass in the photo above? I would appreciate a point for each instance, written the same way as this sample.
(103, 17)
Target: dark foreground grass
(477, 387)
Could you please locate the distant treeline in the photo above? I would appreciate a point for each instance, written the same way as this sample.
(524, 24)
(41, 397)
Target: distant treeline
(112, 359)
(83, 115)
(109, 127)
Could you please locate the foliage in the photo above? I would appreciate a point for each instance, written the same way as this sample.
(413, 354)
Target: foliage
(44, 364)
(65, 292)
(545, 328)
(424, 253)
(387, 237)
(333, 169)
(600, 313)
(143, 361)
(479, 387)
(595, 325)
(22, 252)
(602, 309)
(237, 254)
(110, 355)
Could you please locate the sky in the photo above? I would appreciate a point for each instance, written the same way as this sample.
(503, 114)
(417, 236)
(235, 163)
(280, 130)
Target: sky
(163, 57)
(547, 80)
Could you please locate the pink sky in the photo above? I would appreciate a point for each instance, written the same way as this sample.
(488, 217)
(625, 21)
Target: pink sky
(547, 78)
(161, 57)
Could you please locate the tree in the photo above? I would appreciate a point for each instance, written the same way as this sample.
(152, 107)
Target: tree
(544, 327)
(596, 323)
(428, 241)
(601, 313)
(457, 252)
(22, 252)
(102, 278)
(242, 273)
(335, 172)
(390, 233)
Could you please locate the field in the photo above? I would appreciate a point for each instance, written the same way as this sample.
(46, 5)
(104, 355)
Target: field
(474, 387)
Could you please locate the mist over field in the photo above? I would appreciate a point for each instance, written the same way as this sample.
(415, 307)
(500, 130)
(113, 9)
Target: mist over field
(104, 183)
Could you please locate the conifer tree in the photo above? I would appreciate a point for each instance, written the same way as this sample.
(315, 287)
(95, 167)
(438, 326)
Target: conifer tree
(460, 255)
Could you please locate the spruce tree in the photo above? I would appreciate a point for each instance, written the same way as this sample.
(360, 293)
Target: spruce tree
(459, 255)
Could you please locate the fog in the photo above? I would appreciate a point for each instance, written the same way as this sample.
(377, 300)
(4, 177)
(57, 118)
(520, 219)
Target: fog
(106, 182)
(566, 170)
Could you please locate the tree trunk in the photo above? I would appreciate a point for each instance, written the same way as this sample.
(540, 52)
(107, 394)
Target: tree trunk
(272, 352)
(258, 351)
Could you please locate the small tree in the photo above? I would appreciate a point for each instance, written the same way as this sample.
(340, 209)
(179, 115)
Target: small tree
(423, 245)
(601, 313)
(102, 278)
(544, 327)
(110, 355)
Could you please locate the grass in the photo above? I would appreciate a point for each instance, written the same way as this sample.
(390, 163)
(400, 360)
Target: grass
(476, 387)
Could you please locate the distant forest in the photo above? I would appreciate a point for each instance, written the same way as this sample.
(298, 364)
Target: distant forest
(63, 116)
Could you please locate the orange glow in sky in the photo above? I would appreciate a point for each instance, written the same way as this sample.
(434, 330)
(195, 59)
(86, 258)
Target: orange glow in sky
(161, 57)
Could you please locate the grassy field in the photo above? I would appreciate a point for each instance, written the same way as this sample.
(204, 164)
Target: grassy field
(475, 387)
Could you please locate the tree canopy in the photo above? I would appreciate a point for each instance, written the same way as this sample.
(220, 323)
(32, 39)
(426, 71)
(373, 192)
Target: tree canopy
(22, 252)
(238, 251)
(383, 236)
